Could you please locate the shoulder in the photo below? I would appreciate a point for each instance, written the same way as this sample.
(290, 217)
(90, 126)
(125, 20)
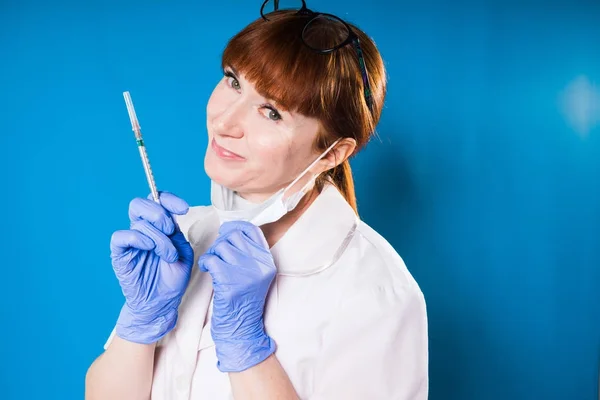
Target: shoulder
(380, 301)
(383, 310)
(378, 271)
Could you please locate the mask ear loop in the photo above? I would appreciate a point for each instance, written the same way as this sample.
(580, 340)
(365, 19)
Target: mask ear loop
(310, 182)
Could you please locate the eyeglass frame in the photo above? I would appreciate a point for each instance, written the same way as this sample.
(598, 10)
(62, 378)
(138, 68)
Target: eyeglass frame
(351, 39)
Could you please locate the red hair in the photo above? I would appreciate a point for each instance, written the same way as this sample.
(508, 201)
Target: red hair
(328, 87)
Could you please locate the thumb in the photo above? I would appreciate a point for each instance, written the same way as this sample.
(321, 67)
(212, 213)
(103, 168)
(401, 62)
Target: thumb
(172, 203)
(253, 232)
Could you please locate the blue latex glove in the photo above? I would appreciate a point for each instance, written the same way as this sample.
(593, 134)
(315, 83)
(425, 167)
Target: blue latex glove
(152, 261)
(242, 270)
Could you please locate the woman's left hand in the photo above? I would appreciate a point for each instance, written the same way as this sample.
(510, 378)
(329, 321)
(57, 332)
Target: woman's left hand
(242, 271)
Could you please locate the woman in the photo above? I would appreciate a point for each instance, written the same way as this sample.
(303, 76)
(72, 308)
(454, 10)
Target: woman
(277, 290)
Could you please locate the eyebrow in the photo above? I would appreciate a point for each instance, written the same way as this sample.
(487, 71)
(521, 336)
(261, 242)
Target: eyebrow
(275, 104)
(233, 69)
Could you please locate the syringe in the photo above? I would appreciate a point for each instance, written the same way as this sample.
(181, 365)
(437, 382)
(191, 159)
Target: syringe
(135, 125)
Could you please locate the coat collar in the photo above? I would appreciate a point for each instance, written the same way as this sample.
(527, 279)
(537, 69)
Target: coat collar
(317, 239)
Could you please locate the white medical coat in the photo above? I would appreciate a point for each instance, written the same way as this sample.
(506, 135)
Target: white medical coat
(348, 318)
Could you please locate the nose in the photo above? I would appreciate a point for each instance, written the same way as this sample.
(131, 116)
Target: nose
(228, 121)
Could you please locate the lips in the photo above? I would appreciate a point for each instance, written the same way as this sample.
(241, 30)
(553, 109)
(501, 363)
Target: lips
(224, 153)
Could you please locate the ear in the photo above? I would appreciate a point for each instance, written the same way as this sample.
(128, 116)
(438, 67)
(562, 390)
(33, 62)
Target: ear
(340, 153)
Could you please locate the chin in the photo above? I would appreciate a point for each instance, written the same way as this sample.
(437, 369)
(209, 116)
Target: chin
(219, 173)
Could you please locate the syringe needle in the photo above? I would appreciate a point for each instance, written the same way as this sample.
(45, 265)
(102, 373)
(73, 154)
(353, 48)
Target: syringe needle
(135, 125)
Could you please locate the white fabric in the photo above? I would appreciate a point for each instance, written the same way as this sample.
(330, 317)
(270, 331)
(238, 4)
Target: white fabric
(348, 318)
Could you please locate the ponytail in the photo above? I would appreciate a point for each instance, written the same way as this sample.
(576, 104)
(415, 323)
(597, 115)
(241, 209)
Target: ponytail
(341, 177)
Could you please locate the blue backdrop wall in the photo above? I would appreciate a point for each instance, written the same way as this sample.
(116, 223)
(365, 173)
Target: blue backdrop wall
(485, 176)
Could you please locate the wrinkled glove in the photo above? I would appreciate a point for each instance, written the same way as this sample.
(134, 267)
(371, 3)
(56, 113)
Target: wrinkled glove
(242, 270)
(152, 261)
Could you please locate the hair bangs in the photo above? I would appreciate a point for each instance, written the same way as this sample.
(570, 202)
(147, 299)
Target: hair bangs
(272, 56)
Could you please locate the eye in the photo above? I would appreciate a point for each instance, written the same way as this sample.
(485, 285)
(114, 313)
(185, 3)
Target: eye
(232, 80)
(234, 83)
(271, 113)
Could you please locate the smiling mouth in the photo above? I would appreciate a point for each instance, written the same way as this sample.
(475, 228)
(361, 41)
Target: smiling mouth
(224, 153)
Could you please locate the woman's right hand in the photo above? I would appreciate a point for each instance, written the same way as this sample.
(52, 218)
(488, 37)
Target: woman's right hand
(153, 262)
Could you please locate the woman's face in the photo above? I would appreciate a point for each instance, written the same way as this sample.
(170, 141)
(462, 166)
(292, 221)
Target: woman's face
(255, 148)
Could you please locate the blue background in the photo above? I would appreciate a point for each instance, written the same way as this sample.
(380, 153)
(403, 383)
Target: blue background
(485, 176)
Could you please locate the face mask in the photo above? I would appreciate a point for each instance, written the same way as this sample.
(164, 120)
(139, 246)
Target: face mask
(231, 207)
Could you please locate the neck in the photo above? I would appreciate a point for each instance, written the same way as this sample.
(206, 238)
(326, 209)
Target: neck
(275, 230)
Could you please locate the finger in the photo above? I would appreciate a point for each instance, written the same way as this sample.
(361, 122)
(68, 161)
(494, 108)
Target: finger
(244, 247)
(212, 264)
(184, 249)
(241, 253)
(226, 251)
(172, 203)
(204, 260)
(126, 246)
(255, 246)
(164, 247)
(123, 240)
(144, 209)
(252, 231)
(242, 243)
